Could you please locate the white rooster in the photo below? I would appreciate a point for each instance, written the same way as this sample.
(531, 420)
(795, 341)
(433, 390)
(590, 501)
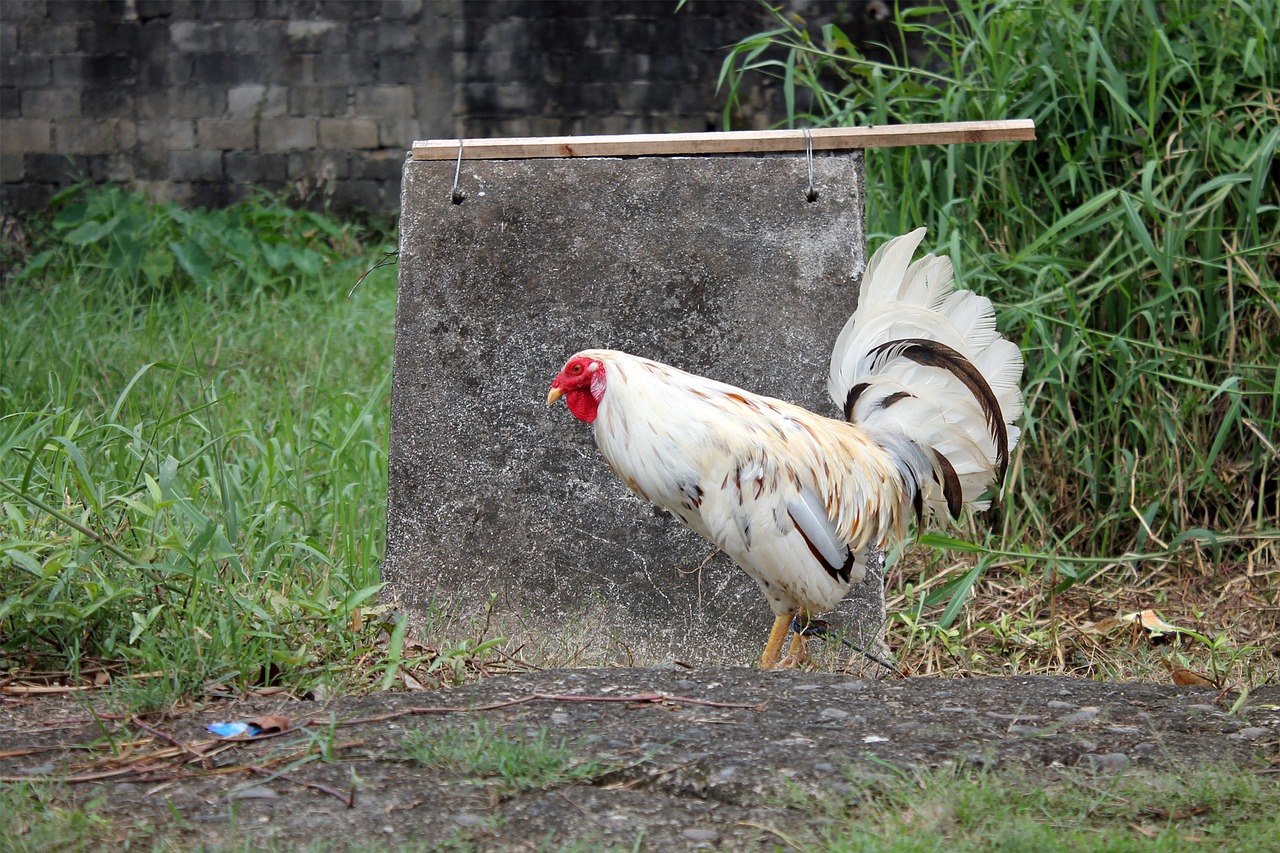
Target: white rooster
(929, 391)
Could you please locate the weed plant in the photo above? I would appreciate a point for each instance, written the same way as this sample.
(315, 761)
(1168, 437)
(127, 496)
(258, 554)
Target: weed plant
(509, 762)
(1210, 808)
(193, 418)
(192, 445)
(1134, 251)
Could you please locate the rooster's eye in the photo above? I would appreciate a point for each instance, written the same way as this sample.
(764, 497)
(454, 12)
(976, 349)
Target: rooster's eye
(575, 369)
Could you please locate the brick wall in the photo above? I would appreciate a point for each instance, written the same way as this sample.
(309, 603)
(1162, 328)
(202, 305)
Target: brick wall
(200, 100)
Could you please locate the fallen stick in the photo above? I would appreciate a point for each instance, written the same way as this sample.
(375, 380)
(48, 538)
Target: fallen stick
(636, 698)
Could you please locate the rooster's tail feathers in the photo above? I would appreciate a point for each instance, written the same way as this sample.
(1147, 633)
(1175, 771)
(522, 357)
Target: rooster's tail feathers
(923, 362)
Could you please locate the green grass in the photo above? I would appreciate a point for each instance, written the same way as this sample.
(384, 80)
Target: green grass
(193, 445)
(490, 755)
(1133, 250)
(1208, 809)
(35, 819)
(193, 418)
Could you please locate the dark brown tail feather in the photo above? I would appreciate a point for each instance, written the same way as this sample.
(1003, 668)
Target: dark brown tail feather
(951, 489)
(936, 354)
(851, 399)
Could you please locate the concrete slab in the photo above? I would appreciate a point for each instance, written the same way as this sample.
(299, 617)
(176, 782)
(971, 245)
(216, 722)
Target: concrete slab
(502, 510)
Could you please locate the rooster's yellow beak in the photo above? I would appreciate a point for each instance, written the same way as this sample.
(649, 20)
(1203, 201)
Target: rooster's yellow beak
(554, 394)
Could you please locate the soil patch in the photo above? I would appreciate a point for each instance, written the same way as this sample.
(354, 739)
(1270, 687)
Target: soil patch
(717, 758)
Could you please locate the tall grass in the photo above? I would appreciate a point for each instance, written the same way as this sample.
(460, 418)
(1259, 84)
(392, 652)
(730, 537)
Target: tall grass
(192, 444)
(192, 417)
(1134, 248)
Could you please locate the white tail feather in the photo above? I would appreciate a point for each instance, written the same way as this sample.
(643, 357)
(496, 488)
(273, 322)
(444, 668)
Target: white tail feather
(915, 390)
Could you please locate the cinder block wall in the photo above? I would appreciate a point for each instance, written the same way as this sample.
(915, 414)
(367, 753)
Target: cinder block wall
(199, 100)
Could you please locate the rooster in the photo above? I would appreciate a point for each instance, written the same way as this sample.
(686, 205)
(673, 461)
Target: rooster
(929, 391)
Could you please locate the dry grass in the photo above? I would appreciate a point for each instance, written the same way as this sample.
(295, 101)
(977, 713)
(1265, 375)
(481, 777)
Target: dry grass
(1014, 623)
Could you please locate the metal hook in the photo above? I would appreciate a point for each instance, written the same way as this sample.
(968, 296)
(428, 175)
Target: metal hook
(811, 195)
(458, 196)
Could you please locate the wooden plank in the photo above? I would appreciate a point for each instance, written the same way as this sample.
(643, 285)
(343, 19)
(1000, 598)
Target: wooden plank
(730, 142)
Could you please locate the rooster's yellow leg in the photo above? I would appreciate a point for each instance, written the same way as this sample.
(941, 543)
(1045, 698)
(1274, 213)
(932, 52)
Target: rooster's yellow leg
(798, 654)
(773, 648)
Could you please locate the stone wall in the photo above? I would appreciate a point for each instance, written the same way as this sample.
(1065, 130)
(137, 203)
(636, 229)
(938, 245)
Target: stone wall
(200, 100)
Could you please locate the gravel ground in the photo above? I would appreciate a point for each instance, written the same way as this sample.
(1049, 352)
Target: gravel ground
(709, 759)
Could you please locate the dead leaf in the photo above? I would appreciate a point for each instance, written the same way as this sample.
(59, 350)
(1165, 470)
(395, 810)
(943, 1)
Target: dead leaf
(272, 724)
(1151, 621)
(1103, 626)
(268, 691)
(1184, 677)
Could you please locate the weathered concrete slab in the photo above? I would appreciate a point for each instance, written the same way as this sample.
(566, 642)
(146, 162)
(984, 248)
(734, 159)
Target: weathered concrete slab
(717, 265)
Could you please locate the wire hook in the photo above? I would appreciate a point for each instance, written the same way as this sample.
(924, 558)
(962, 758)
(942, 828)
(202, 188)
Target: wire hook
(458, 196)
(811, 195)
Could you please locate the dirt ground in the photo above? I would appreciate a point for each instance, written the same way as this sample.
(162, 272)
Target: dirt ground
(708, 759)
